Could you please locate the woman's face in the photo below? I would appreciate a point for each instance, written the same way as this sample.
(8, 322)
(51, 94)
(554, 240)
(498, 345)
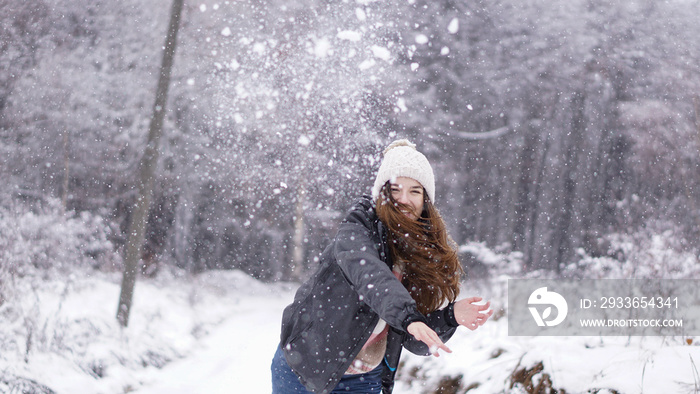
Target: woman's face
(409, 192)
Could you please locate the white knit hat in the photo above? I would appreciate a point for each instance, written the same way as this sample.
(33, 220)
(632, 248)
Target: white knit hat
(402, 159)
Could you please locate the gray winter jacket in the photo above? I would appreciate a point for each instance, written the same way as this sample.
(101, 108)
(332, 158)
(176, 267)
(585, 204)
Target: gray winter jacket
(334, 312)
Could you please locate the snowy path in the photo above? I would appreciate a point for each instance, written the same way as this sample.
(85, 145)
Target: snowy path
(234, 358)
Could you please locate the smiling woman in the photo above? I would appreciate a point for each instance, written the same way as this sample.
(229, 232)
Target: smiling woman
(389, 280)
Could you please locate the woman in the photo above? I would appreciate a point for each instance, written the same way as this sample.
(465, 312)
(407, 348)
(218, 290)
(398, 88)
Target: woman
(389, 280)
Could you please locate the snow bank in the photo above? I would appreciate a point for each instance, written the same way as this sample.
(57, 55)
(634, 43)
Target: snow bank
(484, 361)
(62, 334)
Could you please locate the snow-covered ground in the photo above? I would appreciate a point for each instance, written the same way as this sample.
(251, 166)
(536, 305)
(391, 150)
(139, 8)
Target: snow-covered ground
(216, 333)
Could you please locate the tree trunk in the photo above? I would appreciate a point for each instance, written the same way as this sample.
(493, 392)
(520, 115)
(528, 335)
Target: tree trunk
(692, 197)
(564, 234)
(66, 172)
(696, 103)
(536, 235)
(182, 237)
(298, 252)
(523, 189)
(147, 168)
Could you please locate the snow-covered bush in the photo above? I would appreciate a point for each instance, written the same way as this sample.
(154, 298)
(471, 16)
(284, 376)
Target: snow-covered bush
(657, 251)
(644, 254)
(477, 256)
(35, 241)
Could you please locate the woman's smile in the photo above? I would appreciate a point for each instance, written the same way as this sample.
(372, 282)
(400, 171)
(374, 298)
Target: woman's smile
(409, 192)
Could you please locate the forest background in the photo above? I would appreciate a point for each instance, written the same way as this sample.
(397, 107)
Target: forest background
(565, 132)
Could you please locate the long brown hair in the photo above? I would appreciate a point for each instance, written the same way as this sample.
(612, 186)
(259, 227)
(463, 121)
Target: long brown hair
(431, 268)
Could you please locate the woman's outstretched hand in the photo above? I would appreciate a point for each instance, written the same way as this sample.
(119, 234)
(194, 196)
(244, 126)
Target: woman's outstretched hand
(426, 335)
(467, 313)
(470, 315)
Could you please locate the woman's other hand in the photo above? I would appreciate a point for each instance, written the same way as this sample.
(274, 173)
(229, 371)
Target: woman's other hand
(470, 315)
(426, 335)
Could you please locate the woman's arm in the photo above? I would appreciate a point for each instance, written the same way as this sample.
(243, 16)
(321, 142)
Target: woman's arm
(355, 251)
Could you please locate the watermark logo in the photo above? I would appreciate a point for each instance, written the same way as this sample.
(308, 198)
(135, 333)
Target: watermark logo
(552, 299)
(604, 307)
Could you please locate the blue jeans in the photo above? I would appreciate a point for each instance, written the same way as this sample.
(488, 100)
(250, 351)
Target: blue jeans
(285, 381)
